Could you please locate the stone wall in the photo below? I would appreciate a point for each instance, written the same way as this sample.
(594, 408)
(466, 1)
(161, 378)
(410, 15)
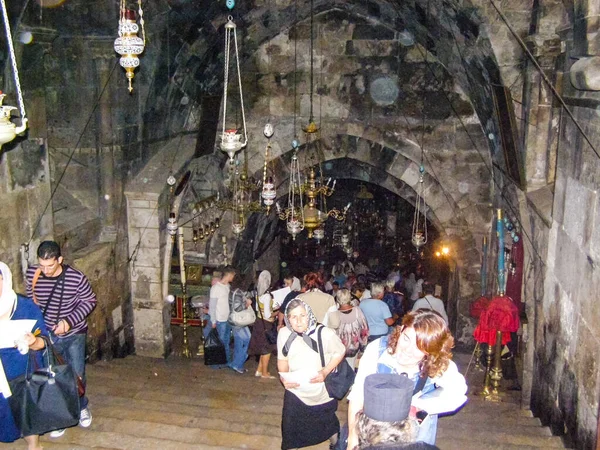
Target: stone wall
(566, 375)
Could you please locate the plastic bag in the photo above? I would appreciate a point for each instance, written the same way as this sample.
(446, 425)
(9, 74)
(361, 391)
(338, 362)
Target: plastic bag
(214, 350)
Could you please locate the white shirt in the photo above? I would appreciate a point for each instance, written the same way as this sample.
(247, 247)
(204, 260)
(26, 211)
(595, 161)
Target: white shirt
(448, 397)
(219, 302)
(431, 302)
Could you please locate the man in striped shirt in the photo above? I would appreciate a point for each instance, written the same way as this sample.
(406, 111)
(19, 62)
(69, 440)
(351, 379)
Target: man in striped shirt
(66, 299)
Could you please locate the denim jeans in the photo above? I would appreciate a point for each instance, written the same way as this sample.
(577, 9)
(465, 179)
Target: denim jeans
(224, 330)
(241, 340)
(72, 349)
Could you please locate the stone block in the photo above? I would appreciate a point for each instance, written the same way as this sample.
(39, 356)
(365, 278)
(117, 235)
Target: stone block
(569, 260)
(585, 74)
(579, 201)
(152, 273)
(144, 290)
(149, 332)
(143, 218)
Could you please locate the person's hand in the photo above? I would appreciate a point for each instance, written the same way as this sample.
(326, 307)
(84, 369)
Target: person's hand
(214, 325)
(30, 339)
(352, 441)
(248, 303)
(287, 384)
(320, 377)
(61, 327)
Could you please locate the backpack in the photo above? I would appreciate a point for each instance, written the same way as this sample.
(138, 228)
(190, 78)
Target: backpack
(239, 315)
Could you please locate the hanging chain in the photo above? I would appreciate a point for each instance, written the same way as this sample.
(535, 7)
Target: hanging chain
(237, 62)
(13, 61)
(312, 19)
(121, 17)
(141, 13)
(226, 76)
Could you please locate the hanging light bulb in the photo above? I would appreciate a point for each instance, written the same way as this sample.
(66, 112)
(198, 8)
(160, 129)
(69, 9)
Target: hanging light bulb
(129, 45)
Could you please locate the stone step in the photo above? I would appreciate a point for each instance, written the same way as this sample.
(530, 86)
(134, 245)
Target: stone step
(467, 444)
(486, 434)
(183, 404)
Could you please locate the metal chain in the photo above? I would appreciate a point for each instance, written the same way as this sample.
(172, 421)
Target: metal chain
(226, 77)
(141, 13)
(237, 61)
(13, 61)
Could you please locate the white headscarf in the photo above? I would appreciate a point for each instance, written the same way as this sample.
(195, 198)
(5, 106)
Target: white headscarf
(8, 297)
(295, 285)
(264, 282)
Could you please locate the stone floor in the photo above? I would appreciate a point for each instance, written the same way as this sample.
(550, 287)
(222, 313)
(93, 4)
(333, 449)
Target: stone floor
(141, 403)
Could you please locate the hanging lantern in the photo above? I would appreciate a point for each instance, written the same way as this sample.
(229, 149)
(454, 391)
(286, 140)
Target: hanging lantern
(128, 44)
(319, 234)
(268, 192)
(419, 229)
(231, 140)
(172, 226)
(8, 130)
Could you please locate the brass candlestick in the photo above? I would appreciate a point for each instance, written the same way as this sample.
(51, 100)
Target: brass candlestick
(185, 347)
(496, 372)
(477, 355)
(486, 380)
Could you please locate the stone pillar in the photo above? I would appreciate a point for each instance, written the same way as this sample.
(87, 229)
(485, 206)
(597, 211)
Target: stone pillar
(109, 185)
(152, 331)
(540, 131)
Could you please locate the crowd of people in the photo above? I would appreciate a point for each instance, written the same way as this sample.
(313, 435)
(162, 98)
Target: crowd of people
(393, 332)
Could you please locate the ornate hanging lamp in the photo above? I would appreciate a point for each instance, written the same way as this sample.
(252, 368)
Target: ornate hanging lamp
(8, 130)
(232, 140)
(419, 228)
(129, 45)
(268, 193)
(293, 214)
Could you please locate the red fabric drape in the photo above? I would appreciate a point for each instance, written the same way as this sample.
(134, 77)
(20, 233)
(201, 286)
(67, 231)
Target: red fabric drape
(501, 314)
(478, 306)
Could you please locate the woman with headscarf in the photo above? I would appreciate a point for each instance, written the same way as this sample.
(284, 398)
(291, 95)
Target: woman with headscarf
(265, 323)
(308, 416)
(12, 363)
(295, 289)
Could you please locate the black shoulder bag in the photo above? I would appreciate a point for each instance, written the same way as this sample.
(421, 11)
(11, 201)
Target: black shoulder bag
(46, 399)
(341, 379)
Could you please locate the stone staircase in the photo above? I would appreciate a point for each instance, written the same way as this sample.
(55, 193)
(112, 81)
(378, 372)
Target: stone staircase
(141, 403)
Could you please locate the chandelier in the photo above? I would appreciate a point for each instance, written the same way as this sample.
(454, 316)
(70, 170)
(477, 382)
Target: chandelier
(232, 140)
(241, 202)
(419, 227)
(129, 45)
(8, 130)
(205, 219)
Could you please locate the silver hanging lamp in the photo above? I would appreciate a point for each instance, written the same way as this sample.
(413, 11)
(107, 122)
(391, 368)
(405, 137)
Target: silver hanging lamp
(232, 139)
(8, 130)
